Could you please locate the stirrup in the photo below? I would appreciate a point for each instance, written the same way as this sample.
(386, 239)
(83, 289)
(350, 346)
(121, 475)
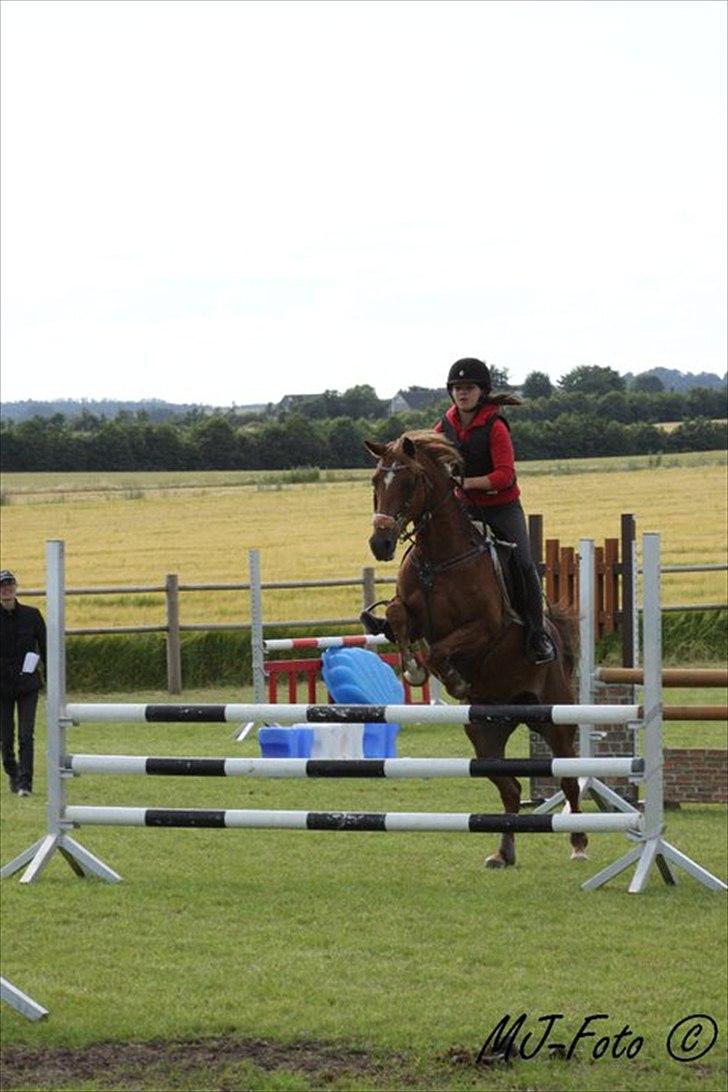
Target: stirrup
(374, 625)
(540, 648)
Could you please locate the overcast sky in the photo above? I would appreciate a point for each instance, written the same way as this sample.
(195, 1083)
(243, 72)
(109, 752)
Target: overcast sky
(227, 202)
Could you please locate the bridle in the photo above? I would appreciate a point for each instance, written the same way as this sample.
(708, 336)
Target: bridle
(399, 523)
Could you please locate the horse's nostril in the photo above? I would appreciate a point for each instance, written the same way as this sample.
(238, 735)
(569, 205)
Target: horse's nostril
(382, 545)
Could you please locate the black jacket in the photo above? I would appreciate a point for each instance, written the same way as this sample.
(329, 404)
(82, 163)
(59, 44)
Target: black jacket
(22, 630)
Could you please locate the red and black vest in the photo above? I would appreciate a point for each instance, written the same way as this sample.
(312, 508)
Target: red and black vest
(476, 449)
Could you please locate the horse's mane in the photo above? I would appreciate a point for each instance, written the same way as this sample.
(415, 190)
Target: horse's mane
(433, 445)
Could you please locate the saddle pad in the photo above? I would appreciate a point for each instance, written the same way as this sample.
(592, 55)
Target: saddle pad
(355, 676)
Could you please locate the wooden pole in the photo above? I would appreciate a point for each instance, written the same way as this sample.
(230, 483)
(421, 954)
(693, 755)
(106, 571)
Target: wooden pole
(627, 569)
(174, 647)
(671, 676)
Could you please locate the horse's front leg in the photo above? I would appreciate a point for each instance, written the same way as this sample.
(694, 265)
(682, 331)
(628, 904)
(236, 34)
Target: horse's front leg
(414, 672)
(489, 741)
(439, 660)
(562, 741)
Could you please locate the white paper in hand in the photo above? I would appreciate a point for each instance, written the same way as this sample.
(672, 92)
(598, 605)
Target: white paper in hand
(31, 661)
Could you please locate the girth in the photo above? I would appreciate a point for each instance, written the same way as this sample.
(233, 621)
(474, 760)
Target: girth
(427, 572)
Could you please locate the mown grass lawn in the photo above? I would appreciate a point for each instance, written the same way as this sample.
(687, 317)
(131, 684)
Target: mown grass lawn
(399, 947)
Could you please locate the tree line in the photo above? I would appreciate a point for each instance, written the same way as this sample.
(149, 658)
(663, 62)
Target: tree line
(559, 427)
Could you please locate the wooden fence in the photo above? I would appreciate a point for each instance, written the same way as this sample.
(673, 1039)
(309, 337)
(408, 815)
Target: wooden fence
(557, 564)
(615, 574)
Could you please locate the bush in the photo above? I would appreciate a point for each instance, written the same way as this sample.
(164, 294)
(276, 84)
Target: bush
(137, 662)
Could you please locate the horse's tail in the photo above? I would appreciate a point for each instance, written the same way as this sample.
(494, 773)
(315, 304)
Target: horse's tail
(567, 627)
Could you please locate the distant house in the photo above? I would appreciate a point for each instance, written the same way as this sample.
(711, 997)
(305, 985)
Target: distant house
(253, 407)
(416, 398)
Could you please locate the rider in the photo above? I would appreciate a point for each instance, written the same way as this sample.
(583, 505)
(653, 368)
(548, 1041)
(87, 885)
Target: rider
(489, 490)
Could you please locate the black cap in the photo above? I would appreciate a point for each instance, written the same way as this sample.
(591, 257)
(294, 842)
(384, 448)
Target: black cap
(6, 577)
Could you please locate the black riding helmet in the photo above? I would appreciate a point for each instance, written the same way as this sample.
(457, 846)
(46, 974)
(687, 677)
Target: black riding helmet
(469, 370)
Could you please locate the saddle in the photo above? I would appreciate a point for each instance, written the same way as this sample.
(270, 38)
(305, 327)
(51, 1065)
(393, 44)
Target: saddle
(507, 570)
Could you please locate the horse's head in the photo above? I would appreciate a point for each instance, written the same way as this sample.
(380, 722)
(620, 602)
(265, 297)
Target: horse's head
(406, 477)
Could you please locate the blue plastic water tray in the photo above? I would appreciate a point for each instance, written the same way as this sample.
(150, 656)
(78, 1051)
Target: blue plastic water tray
(357, 676)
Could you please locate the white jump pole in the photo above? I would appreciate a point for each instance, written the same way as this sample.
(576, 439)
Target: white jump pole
(651, 848)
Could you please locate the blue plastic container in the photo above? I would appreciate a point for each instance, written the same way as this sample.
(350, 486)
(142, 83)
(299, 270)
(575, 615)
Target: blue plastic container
(291, 742)
(357, 676)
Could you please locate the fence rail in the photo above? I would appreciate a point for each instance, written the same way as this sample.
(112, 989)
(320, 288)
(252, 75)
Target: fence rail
(616, 572)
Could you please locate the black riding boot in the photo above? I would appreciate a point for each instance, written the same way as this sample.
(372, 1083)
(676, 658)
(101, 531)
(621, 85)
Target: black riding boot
(539, 646)
(375, 625)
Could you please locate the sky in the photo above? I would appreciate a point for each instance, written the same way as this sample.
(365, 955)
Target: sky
(226, 202)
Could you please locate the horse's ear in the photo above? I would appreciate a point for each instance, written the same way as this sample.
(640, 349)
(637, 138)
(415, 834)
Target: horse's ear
(409, 448)
(377, 450)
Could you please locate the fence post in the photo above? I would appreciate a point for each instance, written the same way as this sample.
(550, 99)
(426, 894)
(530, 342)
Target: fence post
(587, 637)
(535, 537)
(611, 583)
(368, 586)
(553, 576)
(628, 584)
(256, 627)
(174, 648)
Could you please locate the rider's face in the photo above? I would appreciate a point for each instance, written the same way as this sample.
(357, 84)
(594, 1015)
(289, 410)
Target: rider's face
(466, 396)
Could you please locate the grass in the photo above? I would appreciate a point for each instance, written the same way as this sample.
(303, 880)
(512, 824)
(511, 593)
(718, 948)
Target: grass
(278, 960)
(400, 947)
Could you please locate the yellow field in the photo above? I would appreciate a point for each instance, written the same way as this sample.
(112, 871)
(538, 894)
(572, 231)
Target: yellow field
(134, 528)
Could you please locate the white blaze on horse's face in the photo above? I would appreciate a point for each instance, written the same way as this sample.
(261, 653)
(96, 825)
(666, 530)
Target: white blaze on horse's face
(389, 474)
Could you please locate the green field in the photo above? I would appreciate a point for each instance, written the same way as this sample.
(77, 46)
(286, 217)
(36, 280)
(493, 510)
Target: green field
(298, 961)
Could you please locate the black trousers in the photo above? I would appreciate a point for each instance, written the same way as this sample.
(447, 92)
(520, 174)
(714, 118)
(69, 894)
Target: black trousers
(20, 770)
(508, 523)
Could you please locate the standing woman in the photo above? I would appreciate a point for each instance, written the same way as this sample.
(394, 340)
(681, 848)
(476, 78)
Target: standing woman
(22, 648)
(490, 491)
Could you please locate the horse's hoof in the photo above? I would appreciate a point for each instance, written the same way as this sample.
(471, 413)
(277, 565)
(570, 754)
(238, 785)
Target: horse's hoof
(579, 855)
(458, 688)
(495, 861)
(417, 676)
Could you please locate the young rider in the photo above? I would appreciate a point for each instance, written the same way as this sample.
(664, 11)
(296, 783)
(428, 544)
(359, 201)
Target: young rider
(490, 491)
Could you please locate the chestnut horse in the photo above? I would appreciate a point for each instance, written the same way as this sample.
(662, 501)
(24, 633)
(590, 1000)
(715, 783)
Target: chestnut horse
(450, 600)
